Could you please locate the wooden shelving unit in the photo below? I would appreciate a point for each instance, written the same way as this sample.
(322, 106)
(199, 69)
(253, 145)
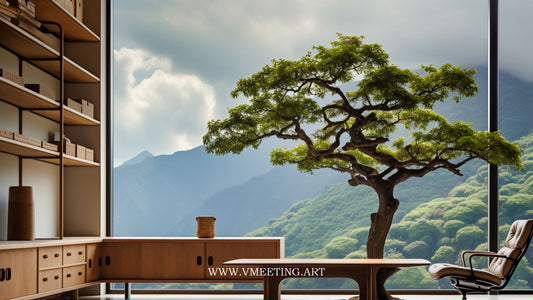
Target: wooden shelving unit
(45, 52)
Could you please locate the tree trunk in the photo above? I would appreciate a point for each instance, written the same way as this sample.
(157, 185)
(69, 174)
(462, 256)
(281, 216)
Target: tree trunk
(379, 229)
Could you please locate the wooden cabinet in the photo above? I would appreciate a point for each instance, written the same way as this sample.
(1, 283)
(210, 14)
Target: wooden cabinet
(35, 269)
(16, 267)
(172, 259)
(122, 260)
(61, 266)
(94, 262)
(182, 259)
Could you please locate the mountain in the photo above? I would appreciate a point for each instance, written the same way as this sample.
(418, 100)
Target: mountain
(150, 196)
(138, 158)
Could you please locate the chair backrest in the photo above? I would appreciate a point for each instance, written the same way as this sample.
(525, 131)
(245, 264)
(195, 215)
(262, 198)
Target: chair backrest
(515, 247)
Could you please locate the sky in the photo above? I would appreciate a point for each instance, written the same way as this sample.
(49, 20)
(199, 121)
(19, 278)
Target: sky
(176, 61)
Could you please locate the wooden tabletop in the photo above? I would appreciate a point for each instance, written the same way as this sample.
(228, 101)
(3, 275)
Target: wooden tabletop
(382, 262)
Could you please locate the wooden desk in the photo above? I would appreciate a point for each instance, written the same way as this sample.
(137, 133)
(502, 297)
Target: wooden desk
(364, 271)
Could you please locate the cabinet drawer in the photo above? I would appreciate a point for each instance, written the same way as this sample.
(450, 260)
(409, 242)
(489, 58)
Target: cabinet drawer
(73, 275)
(50, 280)
(73, 254)
(50, 257)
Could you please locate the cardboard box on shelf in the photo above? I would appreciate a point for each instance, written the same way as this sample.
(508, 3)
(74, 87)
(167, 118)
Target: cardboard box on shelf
(78, 10)
(80, 151)
(74, 104)
(12, 77)
(6, 133)
(39, 88)
(89, 154)
(87, 108)
(68, 5)
(69, 148)
(50, 146)
(27, 140)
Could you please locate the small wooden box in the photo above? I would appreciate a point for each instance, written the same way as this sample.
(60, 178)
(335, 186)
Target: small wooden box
(69, 148)
(87, 108)
(27, 140)
(89, 154)
(12, 77)
(78, 10)
(49, 146)
(68, 5)
(6, 133)
(80, 151)
(75, 105)
(39, 88)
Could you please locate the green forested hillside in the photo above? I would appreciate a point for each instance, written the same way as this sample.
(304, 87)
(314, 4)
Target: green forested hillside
(438, 228)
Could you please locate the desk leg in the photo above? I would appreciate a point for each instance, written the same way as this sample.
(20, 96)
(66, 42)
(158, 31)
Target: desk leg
(127, 290)
(381, 276)
(272, 288)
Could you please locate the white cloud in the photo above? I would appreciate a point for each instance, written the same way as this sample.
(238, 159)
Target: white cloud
(157, 109)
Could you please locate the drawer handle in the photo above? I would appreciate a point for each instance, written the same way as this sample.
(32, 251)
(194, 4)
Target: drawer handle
(80, 273)
(56, 277)
(69, 275)
(69, 254)
(80, 253)
(45, 279)
(45, 256)
(199, 260)
(56, 255)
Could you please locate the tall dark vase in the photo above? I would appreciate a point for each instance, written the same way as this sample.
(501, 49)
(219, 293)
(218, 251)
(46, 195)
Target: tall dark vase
(21, 215)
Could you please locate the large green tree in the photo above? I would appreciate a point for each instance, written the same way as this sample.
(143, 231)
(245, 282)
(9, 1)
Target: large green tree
(341, 104)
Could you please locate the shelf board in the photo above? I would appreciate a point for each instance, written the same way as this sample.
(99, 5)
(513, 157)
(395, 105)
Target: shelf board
(31, 48)
(71, 161)
(26, 150)
(22, 97)
(73, 72)
(71, 117)
(23, 43)
(23, 149)
(74, 30)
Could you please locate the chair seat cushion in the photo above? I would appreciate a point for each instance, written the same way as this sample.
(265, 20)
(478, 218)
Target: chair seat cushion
(438, 271)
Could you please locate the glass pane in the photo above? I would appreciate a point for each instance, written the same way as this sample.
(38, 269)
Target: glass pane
(516, 92)
(175, 64)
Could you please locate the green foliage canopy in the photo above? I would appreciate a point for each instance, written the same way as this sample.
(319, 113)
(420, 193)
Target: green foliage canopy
(291, 99)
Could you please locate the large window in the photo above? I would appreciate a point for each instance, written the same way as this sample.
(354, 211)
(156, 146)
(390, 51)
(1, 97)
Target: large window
(175, 63)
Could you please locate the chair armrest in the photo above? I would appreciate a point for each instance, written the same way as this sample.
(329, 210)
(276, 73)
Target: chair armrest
(475, 253)
(486, 254)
